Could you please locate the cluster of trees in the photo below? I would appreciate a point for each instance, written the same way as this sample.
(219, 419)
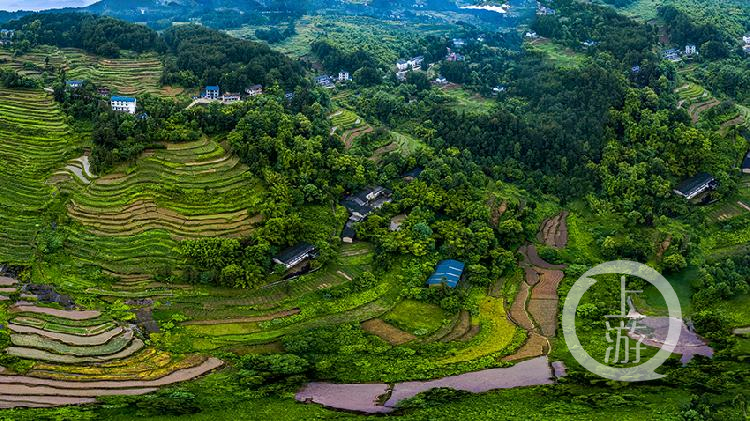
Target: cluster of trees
(204, 56)
(721, 281)
(9, 78)
(274, 35)
(99, 35)
(730, 77)
(629, 41)
(715, 30)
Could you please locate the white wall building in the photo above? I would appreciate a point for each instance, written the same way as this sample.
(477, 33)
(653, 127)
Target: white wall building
(124, 104)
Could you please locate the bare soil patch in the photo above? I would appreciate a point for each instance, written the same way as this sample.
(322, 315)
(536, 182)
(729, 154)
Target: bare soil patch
(544, 313)
(387, 332)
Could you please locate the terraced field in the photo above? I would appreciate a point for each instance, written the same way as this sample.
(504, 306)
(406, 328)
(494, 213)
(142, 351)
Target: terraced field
(132, 74)
(34, 141)
(95, 357)
(695, 99)
(130, 222)
(349, 126)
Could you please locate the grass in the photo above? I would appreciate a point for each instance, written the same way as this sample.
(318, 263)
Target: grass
(652, 302)
(416, 317)
(466, 101)
(559, 55)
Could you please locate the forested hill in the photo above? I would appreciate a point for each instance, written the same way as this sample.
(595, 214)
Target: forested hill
(194, 56)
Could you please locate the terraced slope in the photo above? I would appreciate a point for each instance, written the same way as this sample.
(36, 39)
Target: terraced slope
(95, 357)
(34, 141)
(130, 222)
(129, 76)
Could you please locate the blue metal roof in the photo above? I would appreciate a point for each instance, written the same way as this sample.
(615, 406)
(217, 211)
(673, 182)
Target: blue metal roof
(212, 88)
(123, 98)
(447, 272)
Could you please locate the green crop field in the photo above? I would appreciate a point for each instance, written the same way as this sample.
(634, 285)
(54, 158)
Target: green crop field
(34, 141)
(130, 221)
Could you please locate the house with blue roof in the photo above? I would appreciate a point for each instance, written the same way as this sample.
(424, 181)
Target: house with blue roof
(447, 273)
(74, 84)
(124, 104)
(212, 92)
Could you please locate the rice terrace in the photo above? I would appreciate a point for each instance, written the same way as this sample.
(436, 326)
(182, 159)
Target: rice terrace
(215, 210)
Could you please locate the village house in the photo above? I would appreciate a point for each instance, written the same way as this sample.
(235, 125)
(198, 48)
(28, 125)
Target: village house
(402, 65)
(590, 43)
(296, 255)
(458, 42)
(454, 56)
(361, 205)
(103, 91)
(229, 98)
(498, 89)
(531, 34)
(325, 81)
(544, 10)
(696, 187)
(691, 49)
(440, 80)
(447, 274)
(401, 76)
(672, 55)
(7, 33)
(415, 62)
(745, 168)
(124, 104)
(746, 39)
(254, 90)
(74, 84)
(344, 76)
(212, 92)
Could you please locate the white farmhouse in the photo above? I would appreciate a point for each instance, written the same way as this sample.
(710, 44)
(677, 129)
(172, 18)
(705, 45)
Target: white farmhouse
(123, 104)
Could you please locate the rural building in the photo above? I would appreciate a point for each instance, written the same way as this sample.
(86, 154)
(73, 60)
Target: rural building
(498, 89)
(696, 186)
(454, 56)
(212, 92)
(590, 43)
(124, 104)
(362, 204)
(293, 256)
(396, 222)
(103, 91)
(672, 55)
(229, 98)
(746, 39)
(691, 49)
(325, 81)
(447, 273)
(531, 34)
(415, 62)
(544, 10)
(74, 84)
(254, 90)
(440, 80)
(7, 33)
(348, 234)
(402, 65)
(746, 49)
(413, 174)
(746, 164)
(344, 76)
(458, 42)
(635, 69)
(401, 76)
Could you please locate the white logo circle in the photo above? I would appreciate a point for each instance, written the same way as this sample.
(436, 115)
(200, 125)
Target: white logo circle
(638, 373)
